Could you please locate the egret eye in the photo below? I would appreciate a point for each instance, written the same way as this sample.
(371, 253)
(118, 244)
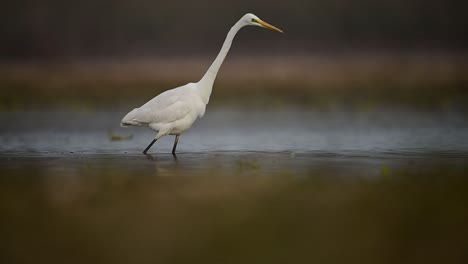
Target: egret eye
(254, 20)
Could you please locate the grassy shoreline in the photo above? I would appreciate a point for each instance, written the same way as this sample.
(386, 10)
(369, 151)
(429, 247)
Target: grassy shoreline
(323, 82)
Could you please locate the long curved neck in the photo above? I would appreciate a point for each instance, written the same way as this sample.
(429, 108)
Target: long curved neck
(206, 83)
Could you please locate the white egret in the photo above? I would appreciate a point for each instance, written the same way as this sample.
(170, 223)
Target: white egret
(174, 111)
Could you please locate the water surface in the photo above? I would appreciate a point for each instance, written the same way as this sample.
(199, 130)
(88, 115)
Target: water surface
(340, 133)
(231, 140)
(246, 187)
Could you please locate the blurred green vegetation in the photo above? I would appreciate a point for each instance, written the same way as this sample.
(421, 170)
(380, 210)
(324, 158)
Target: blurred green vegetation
(117, 137)
(360, 54)
(363, 82)
(102, 215)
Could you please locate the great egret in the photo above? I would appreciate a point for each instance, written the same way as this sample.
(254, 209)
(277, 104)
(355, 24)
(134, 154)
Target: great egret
(174, 111)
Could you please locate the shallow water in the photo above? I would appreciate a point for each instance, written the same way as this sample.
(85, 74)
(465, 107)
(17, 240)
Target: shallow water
(245, 187)
(282, 141)
(288, 141)
(337, 133)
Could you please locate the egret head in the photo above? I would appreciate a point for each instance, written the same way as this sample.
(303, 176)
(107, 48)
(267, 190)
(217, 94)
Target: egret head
(253, 20)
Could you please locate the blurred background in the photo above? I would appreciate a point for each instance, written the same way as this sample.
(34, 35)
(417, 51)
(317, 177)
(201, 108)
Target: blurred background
(344, 140)
(54, 30)
(360, 54)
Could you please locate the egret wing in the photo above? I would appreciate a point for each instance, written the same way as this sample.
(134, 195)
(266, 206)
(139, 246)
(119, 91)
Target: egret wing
(164, 100)
(146, 114)
(171, 113)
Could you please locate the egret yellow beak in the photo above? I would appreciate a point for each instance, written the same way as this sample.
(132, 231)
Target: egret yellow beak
(265, 24)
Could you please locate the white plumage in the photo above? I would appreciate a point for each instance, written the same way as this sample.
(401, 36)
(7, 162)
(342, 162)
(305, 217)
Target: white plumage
(169, 113)
(174, 111)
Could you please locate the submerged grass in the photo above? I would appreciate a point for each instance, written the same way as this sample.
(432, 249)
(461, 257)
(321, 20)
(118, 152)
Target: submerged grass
(117, 137)
(117, 216)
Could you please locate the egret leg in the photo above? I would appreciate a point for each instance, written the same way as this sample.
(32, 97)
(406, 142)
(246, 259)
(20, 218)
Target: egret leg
(149, 146)
(175, 144)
